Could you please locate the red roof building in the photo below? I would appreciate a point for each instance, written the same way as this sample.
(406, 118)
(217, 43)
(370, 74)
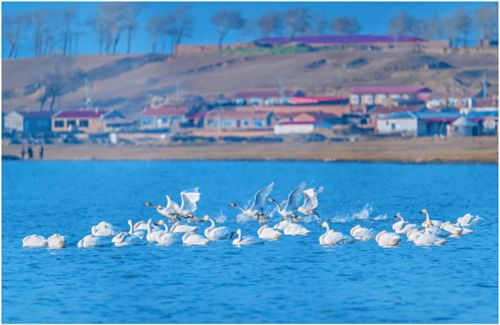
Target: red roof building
(312, 100)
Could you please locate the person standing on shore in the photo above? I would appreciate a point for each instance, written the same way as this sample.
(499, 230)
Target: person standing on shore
(30, 152)
(23, 153)
(41, 151)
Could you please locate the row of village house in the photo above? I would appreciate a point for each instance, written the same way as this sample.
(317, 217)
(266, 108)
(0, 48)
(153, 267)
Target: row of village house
(382, 110)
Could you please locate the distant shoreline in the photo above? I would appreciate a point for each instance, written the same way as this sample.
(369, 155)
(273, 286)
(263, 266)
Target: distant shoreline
(420, 150)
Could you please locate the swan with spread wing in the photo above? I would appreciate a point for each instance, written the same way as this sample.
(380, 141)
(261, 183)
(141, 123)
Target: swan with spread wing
(291, 203)
(173, 211)
(256, 210)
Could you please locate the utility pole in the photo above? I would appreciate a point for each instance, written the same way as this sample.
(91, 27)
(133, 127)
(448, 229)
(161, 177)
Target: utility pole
(281, 90)
(484, 85)
(88, 94)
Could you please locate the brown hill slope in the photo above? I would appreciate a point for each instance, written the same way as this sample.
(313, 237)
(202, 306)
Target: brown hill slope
(124, 82)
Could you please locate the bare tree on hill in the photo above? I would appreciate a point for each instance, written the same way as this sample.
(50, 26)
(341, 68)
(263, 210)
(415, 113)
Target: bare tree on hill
(296, 21)
(69, 20)
(270, 24)
(111, 20)
(12, 28)
(403, 24)
(460, 24)
(178, 25)
(44, 25)
(130, 15)
(320, 24)
(486, 19)
(154, 28)
(432, 28)
(345, 26)
(225, 21)
(53, 84)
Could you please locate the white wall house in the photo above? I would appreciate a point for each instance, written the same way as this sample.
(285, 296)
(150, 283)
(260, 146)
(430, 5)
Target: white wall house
(14, 121)
(397, 123)
(293, 128)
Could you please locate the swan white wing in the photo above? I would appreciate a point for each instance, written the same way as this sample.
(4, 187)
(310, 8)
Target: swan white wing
(260, 198)
(294, 197)
(220, 233)
(189, 200)
(171, 206)
(311, 198)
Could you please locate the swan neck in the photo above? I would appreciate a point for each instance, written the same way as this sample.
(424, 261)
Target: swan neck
(277, 205)
(327, 227)
(131, 227)
(242, 210)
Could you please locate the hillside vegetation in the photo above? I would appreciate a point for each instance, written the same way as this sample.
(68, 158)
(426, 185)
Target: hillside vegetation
(124, 82)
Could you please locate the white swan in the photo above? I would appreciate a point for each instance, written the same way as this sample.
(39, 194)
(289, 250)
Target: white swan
(141, 233)
(268, 233)
(282, 225)
(292, 201)
(310, 201)
(193, 239)
(256, 210)
(402, 226)
(425, 239)
(125, 239)
(469, 220)
(454, 230)
(428, 221)
(103, 229)
(166, 239)
(180, 228)
(90, 241)
(465, 231)
(245, 241)
(331, 237)
(410, 235)
(56, 241)
(387, 239)
(361, 233)
(153, 235)
(188, 205)
(143, 225)
(32, 241)
(212, 233)
(294, 229)
(435, 230)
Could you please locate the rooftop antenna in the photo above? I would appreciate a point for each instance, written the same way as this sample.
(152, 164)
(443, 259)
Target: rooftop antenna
(177, 90)
(484, 85)
(88, 94)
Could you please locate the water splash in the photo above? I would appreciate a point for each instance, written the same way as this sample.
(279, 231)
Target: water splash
(364, 214)
(221, 218)
(243, 218)
(380, 217)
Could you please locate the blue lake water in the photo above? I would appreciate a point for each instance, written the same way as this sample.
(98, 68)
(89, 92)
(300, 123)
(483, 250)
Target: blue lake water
(292, 280)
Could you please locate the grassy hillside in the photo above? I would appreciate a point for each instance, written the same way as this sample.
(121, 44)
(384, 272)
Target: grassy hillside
(125, 82)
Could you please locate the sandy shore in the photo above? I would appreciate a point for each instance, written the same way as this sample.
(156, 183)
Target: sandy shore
(484, 149)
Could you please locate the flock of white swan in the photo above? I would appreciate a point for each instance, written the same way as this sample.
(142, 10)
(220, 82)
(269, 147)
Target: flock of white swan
(301, 204)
